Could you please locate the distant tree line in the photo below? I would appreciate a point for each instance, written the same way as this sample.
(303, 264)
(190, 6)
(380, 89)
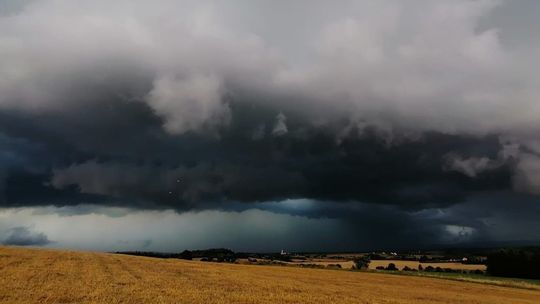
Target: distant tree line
(215, 254)
(519, 263)
(152, 254)
(211, 255)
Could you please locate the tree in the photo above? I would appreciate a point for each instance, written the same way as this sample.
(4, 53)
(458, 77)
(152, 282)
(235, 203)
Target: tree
(186, 255)
(362, 262)
(392, 267)
(520, 263)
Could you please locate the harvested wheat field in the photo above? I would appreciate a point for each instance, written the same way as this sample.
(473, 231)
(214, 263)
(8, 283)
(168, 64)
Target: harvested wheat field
(48, 276)
(414, 265)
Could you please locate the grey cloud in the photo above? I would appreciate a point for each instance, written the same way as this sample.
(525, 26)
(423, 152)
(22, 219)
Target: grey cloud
(527, 177)
(8, 7)
(384, 73)
(366, 227)
(294, 225)
(303, 163)
(180, 188)
(24, 236)
(376, 60)
(184, 72)
(418, 105)
(189, 104)
(471, 166)
(280, 126)
(498, 216)
(259, 132)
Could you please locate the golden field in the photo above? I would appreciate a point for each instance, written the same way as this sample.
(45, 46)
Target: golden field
(49, 276)
(414, 264)
(349, 264)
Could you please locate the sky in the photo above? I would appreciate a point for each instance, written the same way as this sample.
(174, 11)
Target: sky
(262, 125)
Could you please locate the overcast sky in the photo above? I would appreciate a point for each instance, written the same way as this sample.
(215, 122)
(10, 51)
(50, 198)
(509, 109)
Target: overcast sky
(264, 125)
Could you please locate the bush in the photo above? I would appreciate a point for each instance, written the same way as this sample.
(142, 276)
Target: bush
(379, 267)
(406, 268)
(392, 267)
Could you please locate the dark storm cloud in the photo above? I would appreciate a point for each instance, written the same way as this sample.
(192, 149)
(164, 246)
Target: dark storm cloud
(24, 236)
(115, 152)
(374, 226)
(153, 169)
(199, 105)
(487, 219)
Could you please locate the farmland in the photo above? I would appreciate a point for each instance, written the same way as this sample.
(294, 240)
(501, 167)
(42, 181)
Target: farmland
(348, 263)
(414, 265)
(48, 276)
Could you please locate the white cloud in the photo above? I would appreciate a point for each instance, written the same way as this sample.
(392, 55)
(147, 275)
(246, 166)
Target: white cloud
(527, 176)
(471, 166)
(414, 66)
(280, 125)
(58, 55)
(189, 104)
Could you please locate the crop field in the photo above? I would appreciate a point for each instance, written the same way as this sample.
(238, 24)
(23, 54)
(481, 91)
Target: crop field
(49, 276)
(345, 264)
(414, 264)
(348, 264)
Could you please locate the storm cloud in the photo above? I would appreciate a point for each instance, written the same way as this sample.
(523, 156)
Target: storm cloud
(23, 236)
(393, 108)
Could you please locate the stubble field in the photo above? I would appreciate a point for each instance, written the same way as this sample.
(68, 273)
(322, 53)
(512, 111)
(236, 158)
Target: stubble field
(50, 276)
(414, 265)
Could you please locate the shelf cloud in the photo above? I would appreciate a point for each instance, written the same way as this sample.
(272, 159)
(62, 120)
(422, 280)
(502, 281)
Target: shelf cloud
(203, 105)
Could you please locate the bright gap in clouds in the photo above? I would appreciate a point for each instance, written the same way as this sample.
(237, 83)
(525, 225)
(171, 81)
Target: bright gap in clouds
(112, 229)
(298, 225)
